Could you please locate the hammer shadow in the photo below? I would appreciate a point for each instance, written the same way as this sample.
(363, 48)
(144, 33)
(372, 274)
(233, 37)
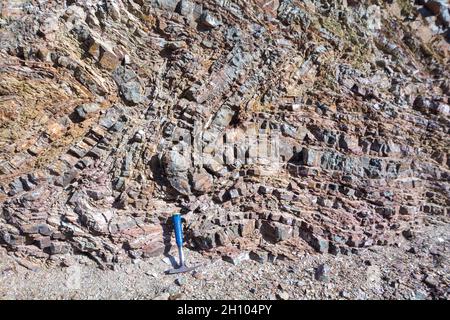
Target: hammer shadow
(167, 236)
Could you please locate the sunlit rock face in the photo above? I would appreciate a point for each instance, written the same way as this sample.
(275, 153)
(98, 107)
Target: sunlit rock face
(320, 125)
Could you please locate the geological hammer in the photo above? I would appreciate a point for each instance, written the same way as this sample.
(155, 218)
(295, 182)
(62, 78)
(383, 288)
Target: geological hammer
(176, 219)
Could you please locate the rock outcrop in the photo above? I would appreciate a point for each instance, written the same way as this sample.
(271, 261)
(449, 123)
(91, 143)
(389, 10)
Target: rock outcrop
(263, 122)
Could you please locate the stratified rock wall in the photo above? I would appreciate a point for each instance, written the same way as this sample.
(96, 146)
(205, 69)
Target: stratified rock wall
(316, 122)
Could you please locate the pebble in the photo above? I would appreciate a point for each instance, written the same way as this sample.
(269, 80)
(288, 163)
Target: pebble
(151, 274)
(300, 283)
(420, 295)
(172, 289)
(198, 275)
(431, 281)
(180, 281)
(283, 295)
(322, 273)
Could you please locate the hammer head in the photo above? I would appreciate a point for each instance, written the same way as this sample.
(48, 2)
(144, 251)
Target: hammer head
(182, 269)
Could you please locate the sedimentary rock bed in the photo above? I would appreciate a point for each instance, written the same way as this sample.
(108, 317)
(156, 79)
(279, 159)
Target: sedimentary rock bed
(317, 124)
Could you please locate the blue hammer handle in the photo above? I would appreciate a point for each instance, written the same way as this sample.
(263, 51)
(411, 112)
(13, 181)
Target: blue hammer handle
(178, 229)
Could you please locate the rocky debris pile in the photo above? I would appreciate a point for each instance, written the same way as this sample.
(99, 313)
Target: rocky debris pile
(378, 272)
(269, 124)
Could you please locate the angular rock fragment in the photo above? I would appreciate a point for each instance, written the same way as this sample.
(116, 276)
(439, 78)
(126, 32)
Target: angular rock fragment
(84, 110)
(208, 20)
(131, 92)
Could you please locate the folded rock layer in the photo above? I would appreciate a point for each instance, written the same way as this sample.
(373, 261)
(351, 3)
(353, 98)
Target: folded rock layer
(264, 122)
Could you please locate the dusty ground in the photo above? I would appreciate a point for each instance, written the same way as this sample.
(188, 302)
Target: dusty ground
(415, 269)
